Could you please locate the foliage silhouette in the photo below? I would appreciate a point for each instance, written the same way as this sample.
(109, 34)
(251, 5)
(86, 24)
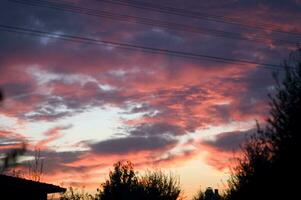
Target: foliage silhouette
(123, 183)
(1, 96)
(270, 164)
(209, 194)
(10, 158)
(74, 194)
(199, 196)
(157, 185)
(35, 167)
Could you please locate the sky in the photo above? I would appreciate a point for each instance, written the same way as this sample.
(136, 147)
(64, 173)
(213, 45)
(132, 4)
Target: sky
(87, 104)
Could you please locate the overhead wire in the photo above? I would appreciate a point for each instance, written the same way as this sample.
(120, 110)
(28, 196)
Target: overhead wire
(62, 6)
(135, 47)
(198, 15)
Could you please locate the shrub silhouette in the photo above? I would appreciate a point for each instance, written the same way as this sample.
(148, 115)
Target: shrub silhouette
(157, 185)
(74, 194)
(123, 183)
(199, 196)
(209, 194)
(1, 96)
(10, 159)
(270, 164)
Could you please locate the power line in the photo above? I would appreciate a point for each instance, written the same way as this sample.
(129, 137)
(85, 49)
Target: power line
(198, 15)
(147, 21)
(128, 46)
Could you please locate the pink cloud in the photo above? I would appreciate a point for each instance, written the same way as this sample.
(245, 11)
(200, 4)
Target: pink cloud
(52, 135)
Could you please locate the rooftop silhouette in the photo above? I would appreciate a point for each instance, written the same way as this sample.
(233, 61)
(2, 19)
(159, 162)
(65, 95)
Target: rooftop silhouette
(14, 188)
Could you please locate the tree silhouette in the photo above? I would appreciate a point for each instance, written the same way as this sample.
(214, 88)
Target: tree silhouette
(209, 194)
(123, 183)
(1, 96)
(35, 167)
(157, 185)
(74, 194)
(270, 164)
(10, 159)
(199, 196)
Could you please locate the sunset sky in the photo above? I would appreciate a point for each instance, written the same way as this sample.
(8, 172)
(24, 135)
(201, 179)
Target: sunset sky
(86, 104)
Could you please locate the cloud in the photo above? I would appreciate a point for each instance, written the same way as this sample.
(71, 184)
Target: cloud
(229, 141)
(52, 135)
(222, 151)
(10, 140)
(55, 162)
(159, 129)
(132, 144)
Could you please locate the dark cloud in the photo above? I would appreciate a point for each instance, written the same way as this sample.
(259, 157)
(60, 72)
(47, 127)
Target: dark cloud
(183, 155)
(16, 89)
(160, 129)
(54, 162)
(132, 144)
(251, 100)
(229, 141)
(68, 99)
(10, 140)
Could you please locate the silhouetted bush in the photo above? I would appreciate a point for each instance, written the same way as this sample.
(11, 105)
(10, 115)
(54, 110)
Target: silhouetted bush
(199, 196)
(123, 183)
(74, 194)
(1, 96)
(270, 166)
(157, 185)
(10, 159)
(209, 194)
